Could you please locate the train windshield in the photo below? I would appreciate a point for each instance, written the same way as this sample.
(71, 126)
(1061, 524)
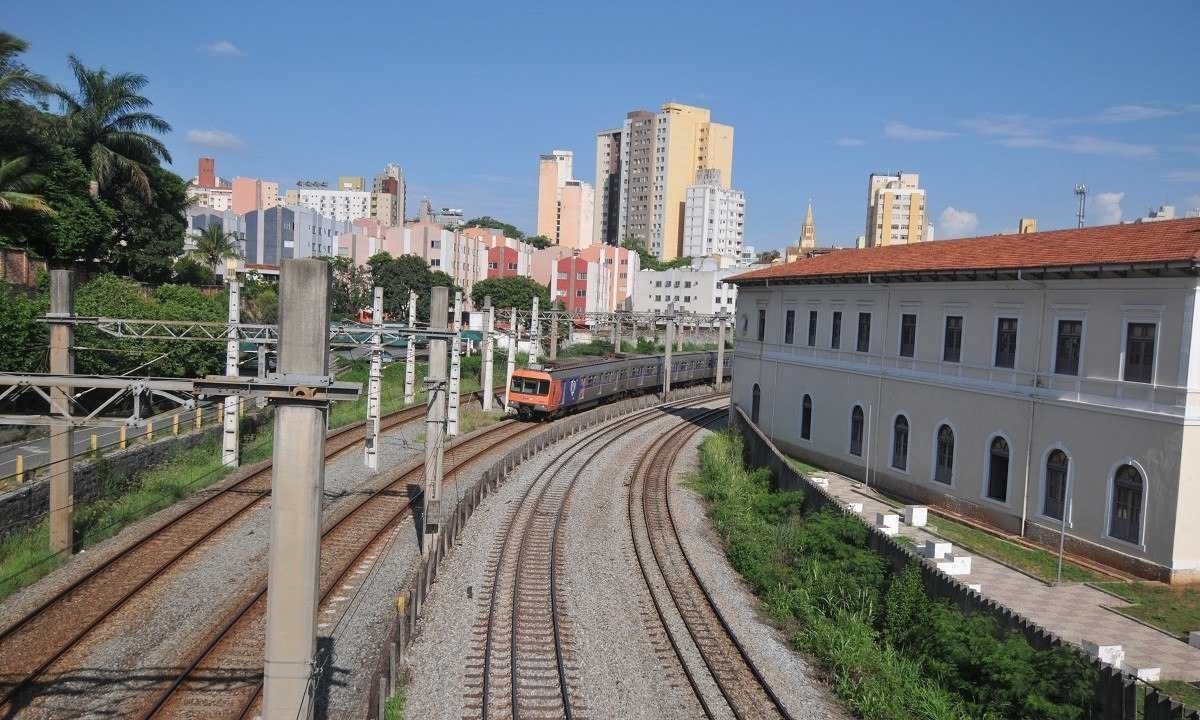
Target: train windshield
(530, 386)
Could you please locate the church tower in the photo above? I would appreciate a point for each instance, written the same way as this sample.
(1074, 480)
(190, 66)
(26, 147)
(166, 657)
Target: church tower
(808, 231)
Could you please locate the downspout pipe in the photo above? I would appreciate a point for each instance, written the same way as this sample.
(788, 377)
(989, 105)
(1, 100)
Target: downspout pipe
(1037, 366)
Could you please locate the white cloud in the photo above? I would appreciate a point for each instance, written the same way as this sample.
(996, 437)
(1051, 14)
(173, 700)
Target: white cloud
(1131, 113)
(850, 142)
(1082, 145)
(1106, 208)
(223, 47)
(901, 131)
(1003, 125)
(953, 223)
(1184, 176)
(215, 139)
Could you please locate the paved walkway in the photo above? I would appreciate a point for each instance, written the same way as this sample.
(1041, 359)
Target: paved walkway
(1075, 612)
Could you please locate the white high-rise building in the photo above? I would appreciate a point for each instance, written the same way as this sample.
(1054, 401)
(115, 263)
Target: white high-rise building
(896, 210)
(714, 217)
(341, 205)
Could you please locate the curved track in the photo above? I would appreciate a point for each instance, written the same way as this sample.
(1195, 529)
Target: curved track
(223, 677)
(522, 664)
(29, 646)
(676, 589)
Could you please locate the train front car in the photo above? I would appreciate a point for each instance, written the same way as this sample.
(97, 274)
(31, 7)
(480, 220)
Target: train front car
(531, 393)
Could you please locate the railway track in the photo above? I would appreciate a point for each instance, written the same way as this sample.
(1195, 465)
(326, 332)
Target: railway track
(33, 643)
(522, 665)
(675, 587)
(223, 677)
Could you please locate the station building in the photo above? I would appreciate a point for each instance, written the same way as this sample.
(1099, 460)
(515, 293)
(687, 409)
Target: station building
(1043, 383)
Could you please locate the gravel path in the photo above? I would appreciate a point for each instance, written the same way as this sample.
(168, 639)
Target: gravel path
(793, 679)
(145, 641)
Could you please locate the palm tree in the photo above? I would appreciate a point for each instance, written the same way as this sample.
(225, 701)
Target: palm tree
(17, 186)
(114, 127)
(214, 245)
(15, 78)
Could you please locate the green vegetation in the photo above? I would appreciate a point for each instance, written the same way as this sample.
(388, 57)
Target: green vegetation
(392, 390)
(25, 555)
(510, 292)
(394, 710)
(397, 276)
(1173, 609)
(892, 650)
(1041, 564)
(486, 221)
(650, 261)
(1184, 692)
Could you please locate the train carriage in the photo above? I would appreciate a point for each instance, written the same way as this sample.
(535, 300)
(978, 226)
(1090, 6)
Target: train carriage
(550, 392)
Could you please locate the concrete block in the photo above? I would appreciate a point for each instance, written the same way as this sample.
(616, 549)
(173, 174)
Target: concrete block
(1146, 674)
(954, 564)
(855, 507)
(888, 530)
(821, 482)
(976, 587)
(937, 549)
(1112, 654)
(887, 520)
(916, 515)
(1194, 638)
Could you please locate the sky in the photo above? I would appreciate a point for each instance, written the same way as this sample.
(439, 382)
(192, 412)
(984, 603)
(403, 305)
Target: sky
(1001, 107)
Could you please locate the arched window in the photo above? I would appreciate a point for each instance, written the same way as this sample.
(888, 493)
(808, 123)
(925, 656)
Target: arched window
(856, 431)
(997, 481)
(943, 470)
(806, 418)
(900, 443)
(755, 401)
(1126, 523)
(1055, 501)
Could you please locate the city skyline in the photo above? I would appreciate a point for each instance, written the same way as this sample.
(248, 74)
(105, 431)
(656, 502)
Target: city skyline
(1127, 129)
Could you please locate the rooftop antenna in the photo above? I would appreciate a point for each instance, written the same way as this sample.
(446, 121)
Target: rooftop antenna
(1081, 193)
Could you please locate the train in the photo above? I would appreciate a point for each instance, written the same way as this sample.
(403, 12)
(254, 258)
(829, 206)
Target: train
(544, 393)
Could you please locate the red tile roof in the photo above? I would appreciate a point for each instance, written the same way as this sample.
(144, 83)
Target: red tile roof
(1168, 241)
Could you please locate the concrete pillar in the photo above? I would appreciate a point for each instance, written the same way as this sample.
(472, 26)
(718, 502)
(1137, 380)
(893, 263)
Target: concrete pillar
(435, 419)
(667, 345)
(296, 487)
(553, 336)
(62, 361)
(679, 335)
(410, 353)
(230, 437)
(489, 347)
(261, 350)
(515, 336)
(375, 383)
(616, 333)
(720, 377)
(455, 369)
(533, 335)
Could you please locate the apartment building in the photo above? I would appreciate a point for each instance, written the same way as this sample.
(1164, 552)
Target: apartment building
(544, 263)
(463, 258)
(583, 286)
(506, 257)
(350, 199)
(714, 217)
(565, 206)
(253, 194)
(624, 266)
(896, 212)
(209, 190)
(341, 205)
(389, 196)
(607, 188)
(1047, 383)
(701, 288)
(660, 155)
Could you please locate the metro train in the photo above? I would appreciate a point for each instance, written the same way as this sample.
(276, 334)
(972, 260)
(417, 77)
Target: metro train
(546, 393)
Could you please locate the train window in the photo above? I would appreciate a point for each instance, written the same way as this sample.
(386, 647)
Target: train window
(530, 386)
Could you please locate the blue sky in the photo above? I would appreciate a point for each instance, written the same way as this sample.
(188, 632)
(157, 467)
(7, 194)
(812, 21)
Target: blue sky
(1001, 107)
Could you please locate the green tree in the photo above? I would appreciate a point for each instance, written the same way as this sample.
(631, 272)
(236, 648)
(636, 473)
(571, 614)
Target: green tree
(486, 221)
(768, 256)
(507, 292)
(650, 261)
(539, 241)
(26, 338)
(17, 80)
(18, 186)
(149, 235)
(351, 287)
(214, 246)
(115, 133)
(187, 271)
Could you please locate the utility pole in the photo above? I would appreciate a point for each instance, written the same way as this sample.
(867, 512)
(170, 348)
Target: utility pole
(410, 353)
(720, 379)
(261, 351)
(515, 339)
(375, 383)
(489, 345)
(670, 341)
(455, 369)
(616, 334)
(435, 418)
(679, 334)
(553, 336)
(296, 488)
(230, 437)
(534, 340)
(62, 361)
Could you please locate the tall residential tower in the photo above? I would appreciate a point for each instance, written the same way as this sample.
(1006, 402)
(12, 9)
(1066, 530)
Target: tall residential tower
(895, 210)
(565, 205)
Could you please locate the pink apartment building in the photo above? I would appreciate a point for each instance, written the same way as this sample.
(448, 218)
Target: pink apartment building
(623, 268)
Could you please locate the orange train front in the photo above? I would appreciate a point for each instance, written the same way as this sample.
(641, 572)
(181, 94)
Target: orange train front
(550, 392)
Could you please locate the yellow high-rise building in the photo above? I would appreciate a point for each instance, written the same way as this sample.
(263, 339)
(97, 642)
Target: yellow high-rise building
(896, 210)
(660, 156)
